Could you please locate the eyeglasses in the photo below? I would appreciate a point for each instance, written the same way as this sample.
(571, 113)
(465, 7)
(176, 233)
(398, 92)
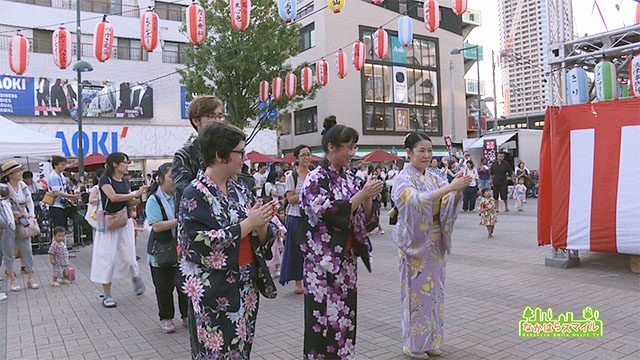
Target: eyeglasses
(215, 116)
(352, 149)
(241, 152)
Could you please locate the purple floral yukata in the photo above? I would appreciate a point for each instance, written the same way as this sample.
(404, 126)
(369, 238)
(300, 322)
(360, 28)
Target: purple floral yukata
(423, 236)
(224, 295)
(330, 269)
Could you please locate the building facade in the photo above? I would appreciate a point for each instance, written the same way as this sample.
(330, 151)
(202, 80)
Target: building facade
(133, 102)
(419, 87)
(521, 56)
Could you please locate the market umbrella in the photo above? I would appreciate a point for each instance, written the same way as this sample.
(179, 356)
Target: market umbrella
(256, 157)
(380, 156)
(91, 163)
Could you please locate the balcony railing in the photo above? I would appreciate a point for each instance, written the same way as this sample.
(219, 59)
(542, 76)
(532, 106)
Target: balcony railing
(96, 6)
(43, 46)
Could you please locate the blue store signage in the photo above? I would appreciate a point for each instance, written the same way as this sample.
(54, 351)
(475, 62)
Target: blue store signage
(16, 95)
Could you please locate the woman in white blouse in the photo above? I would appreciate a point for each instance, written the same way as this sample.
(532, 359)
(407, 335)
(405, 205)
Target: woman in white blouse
(471, 192)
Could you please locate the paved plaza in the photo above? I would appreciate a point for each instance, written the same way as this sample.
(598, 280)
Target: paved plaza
(489, 282)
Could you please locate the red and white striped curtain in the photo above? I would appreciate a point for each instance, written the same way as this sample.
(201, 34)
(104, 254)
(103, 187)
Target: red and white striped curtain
(589, 170)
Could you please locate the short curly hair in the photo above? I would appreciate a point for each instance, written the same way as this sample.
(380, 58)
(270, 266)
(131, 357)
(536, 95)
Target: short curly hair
(218, 139)
(203, 105)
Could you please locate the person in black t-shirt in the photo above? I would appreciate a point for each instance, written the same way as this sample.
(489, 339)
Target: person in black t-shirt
(501, 171)
(114, 249)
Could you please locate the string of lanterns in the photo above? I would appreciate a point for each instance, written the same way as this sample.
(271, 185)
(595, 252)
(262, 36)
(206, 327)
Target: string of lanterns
(607, 85)
(380, 39)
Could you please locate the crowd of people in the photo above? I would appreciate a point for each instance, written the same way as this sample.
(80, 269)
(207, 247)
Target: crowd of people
(221, 231)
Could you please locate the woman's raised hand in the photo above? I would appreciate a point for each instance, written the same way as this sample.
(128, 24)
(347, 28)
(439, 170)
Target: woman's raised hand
(260, 214)
(372, 188)
(460, 182)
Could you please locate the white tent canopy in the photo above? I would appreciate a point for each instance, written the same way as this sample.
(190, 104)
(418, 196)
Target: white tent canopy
(17, 140)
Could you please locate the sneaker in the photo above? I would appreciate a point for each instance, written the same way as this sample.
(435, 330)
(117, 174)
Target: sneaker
(434, 352)
(3, 296)
(108, 302)
(167, 326)
(138, 285)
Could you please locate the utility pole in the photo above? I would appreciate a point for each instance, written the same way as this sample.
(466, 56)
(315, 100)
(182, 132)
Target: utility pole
(495, 96)
(453, 103)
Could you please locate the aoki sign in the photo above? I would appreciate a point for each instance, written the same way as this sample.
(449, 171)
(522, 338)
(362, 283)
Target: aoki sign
(102, 142)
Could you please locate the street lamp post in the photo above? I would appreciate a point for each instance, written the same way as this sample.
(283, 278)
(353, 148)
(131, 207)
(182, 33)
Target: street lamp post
(457, 51)
(79, 67)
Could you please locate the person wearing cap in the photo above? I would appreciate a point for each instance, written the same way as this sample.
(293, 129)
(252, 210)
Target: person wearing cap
(22, 206)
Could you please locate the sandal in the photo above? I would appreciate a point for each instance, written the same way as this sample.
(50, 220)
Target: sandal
(15, 287)
(413, 355)
(108, 302)
(55, 284)
(434, 352)
(33, 286)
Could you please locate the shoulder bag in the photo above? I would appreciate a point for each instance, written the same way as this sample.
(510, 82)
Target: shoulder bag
(116, 220)
(162, 245)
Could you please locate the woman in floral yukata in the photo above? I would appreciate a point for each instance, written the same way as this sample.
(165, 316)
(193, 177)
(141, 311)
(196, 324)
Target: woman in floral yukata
(336, 211)
(428, 206)
(225, 236)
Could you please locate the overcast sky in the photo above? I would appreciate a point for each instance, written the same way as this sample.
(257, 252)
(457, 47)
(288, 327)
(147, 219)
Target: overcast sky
(585, 21)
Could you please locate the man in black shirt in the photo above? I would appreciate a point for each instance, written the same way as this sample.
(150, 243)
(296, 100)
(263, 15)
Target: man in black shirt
(501, 171)
(187, 161)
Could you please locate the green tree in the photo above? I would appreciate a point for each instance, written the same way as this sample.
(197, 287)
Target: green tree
(230, 64)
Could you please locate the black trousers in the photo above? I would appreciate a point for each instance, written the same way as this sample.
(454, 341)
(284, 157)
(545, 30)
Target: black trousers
(58, 217)
(164, 280)
(469, 198)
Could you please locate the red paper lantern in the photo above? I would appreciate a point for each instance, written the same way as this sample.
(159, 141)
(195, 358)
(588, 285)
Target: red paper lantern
(359, 54)
(276, 87)
(322, 72)
(291, 82)
(431, 10)
(341, 64)
(149, 30)
(459, 6)
(103, 40)
(196, 23)
(306, 79)
(377, 2)
(240, 14)
(380, 42)
(18, 53)
(264, 90)
(62, 47)
(637, 13)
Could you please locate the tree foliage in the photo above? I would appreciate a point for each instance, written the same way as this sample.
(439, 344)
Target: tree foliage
(230, 64)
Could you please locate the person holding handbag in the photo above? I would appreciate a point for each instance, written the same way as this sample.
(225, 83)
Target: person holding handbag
(7, 224)
(161, 250)
(114, 249)
(26, 224)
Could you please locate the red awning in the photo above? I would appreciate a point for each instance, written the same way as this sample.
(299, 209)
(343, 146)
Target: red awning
(380, 156)
(91, 163)
(256, 157)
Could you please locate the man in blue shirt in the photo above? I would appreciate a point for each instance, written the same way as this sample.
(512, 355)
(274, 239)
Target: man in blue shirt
(58, 188)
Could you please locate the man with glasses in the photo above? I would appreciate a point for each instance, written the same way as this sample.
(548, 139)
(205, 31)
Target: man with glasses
(187, 161)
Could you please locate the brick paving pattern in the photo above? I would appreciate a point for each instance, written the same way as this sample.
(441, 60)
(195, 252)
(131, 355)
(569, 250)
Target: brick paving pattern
(488, 284)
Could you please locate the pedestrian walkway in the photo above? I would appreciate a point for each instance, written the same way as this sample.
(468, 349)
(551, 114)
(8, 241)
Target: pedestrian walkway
(489, 282)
